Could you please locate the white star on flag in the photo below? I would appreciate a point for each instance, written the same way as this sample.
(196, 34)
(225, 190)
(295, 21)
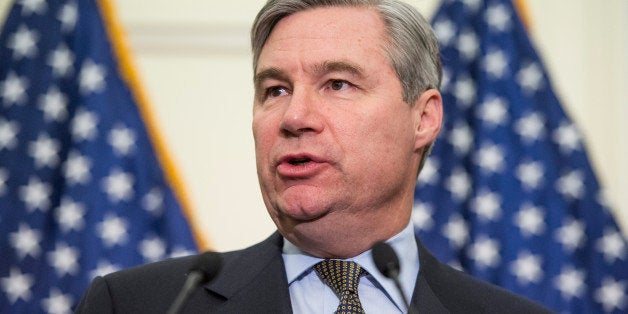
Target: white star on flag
(118, 186)
(8, 131)
(568, 137)
(68, 15)
(495, 63)
(611, 246)
(571, 185)
(570, 234)
(422, 216)
(13, 90)
(33, 6)
(456, 231)
(26, 241)
(76, 169)
(36, 194)
(468, 45)
(530, 174)
(612, 294)
(487, 205)
(527, 268)
(152, 249)
(490, 158)
(61, 60)
(57, 302)
(570, 283)
(69, 215)
(91, 78)
(485, 252)
(530, 220)
(530, 78)
(54, 105)
(531, 127)
(444, 32)
(429, 173)
(498, 17)
(461, 138)
(17, 286)
(64, 259)
(24, 43)
(153, 202)
(493, 111)
(112, 230)
(122, 140)
(459, 184)
(84, 125)
(464, 91)
(45, 151)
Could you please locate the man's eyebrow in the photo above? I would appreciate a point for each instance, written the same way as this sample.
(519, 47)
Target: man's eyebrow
(339, 66)
(318, 69)
(270, 73)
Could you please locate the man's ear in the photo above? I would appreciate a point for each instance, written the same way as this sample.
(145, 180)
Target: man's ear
(428, 118)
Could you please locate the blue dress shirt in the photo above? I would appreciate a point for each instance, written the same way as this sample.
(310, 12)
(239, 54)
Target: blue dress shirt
(378, 294)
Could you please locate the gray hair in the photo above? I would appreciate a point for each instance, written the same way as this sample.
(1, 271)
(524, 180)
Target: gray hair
(411, 44)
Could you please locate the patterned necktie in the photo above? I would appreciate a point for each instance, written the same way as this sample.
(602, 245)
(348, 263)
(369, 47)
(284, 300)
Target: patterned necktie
(343, 278)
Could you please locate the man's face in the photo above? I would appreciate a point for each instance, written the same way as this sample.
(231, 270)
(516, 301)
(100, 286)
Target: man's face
(335, 142)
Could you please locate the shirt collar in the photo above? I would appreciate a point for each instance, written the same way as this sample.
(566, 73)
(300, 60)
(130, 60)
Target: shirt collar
(299, 264)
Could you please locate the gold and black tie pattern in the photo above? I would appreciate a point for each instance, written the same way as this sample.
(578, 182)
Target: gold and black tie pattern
(343, 278)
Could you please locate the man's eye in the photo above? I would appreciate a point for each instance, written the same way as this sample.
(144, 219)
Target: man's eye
(276, 91)
(338, 85)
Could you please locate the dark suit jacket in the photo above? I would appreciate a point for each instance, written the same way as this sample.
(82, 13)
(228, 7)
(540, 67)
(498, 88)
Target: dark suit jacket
(253, 280)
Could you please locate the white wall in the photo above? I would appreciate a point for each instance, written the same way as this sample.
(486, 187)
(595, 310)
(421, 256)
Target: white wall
(194, 59)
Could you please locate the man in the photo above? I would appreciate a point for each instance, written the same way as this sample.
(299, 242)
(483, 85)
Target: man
(346, 109)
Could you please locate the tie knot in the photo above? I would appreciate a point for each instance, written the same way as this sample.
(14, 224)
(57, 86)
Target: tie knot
(341, 276)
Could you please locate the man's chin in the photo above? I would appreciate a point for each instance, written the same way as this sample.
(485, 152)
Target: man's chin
(319, 237)
(300, 215)
(302, 206)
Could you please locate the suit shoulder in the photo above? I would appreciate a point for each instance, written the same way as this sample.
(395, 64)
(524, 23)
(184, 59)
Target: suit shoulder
(172, 265)
(163, 277)
(492, 298)
(173, 271)
(141, 289)
(151, 288)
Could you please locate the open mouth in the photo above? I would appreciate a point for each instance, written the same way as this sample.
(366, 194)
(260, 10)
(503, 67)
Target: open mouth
(299, 161)
(300, 166)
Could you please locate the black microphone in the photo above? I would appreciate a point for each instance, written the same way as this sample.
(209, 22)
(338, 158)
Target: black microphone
(387, 263)
(202, 271)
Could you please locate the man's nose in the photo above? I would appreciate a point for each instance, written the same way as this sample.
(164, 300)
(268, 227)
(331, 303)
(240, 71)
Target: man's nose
(302, 115)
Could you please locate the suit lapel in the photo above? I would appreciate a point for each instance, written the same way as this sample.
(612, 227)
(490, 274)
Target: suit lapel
(253, 280)
(424, 299)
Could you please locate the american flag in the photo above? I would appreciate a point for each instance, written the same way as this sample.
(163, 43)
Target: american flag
(508, 194)
(82, 190)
